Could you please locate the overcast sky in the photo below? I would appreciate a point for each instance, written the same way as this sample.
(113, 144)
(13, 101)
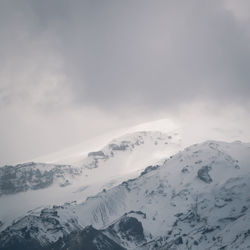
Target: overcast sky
(70, 70)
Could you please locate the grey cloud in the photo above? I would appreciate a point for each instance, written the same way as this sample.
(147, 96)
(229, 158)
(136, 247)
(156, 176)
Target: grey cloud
(155, 53)
(94, 62)
(152, 53)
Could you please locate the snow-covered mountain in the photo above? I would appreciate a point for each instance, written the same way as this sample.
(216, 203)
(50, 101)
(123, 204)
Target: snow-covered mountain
(196, 199)
(37, 185)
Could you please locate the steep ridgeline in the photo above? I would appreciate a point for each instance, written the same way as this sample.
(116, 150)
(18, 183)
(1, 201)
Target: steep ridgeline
(37, 185)
(197, 199)
(144, 142)
(34, 176)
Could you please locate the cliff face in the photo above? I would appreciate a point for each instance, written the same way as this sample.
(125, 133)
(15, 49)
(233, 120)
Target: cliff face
(34, 176)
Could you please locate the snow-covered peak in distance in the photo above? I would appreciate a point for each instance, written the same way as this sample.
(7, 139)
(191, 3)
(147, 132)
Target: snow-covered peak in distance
(78, 152)
(190, 132)
(136, 149)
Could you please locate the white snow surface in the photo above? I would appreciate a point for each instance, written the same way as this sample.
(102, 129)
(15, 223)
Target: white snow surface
(200, 194)
(123, 158)
(195, 188)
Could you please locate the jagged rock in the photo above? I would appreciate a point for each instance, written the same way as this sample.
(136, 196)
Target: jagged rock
(185, 170)
(203, 174)
(149, 169)
(97, 153)
(121, 147)
(128, 228)
(178, 241)
(33, 176)
(89, 239)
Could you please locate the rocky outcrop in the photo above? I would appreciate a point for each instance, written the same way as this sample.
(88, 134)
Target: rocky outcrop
(89, 238)
(33, 176)
(203, 174)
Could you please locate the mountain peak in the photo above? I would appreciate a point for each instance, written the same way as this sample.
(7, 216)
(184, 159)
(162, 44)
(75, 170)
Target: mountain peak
(187, 201)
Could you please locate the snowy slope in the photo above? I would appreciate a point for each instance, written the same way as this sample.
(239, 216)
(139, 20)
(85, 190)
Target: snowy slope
(37, 185)
(196, 199)
(190, 131)
(78, 152)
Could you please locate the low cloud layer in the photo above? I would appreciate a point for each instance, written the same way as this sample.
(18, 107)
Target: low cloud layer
(94, 62)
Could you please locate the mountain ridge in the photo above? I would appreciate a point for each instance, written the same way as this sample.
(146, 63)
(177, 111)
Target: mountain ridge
(204, 179)
(121, 158)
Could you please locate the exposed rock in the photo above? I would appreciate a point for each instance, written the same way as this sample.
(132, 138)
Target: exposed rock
(121, 147)
(128, 228)
(33, 176)
(203, 174)
(89, 239)
(185, 170)
(178, 241)
(97, 153)
(149, 169)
